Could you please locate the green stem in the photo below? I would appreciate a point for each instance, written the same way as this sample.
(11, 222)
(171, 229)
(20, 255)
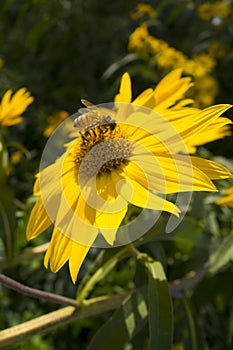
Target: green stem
(59, 318)
(99, 274)
(6, 224)
(134, 251)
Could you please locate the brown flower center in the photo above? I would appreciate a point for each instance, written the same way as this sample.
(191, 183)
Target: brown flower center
(101, 149)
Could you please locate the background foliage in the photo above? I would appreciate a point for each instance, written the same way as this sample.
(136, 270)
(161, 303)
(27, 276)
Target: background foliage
(65, 50)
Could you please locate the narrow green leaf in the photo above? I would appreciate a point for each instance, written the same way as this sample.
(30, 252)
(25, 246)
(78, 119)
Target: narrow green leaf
(4, 163)
(195, 341)
(119, 64)
(125, 323)
(160, 308)
(222, 256)
(7, 220)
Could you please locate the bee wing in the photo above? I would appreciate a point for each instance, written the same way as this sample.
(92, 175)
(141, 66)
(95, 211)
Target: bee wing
(89, 107)
(98, 110)
(83, 110)
(87, 103)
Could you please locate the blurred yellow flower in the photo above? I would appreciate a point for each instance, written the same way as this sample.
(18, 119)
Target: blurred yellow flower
(12, 106)
(205, 11)
(208, 10)
(204, 64)
(166, 57)
(1, 62)
(143, 10)
(205, 90)
(228, 200)
(133, 158)
(54, 120)
(16, 157)
(138, 39)
(218, 50)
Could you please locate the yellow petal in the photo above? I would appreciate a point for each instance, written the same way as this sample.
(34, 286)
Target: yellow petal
(229, 190)
(38, 221)
(228, 200)
(125, 94)
(216, 130)
(136, 194)
(108, 223)
(36, 187)
(77, 255)
(170, 89)
(12, 106)
(146, 99)
(58, 252)
(106, 187)
(5, 100)
(168, 174)
(187, 132)
(213, 170)
(200, 122)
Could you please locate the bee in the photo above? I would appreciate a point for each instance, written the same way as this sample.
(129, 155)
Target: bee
(90, 117)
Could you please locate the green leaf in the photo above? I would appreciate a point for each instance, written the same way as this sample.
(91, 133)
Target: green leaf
(130, 57)
(222, 256)
(7, 220)
(187, 234)
(160, 308)
(195, 341)
(125, 323)
(4, 163)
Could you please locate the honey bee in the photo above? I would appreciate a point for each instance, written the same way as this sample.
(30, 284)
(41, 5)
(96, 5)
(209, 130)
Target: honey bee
(92, 116)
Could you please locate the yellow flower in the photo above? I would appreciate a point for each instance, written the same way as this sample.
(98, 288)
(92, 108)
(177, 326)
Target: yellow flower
(205, 11)
(204, 64)
(228, 200)
(218, 50)
(138, 38)
(1, 63)
(133, 157)
(12, 106)
(209, 10)
(143, 10)
(157, 51)
(54, 120)
(16, 157)
(205, 90)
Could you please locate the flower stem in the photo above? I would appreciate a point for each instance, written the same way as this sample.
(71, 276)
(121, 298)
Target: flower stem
(58, 318)
(35, 293)
(99, 274)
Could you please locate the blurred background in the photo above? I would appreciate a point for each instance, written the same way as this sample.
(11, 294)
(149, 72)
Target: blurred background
(65, 50)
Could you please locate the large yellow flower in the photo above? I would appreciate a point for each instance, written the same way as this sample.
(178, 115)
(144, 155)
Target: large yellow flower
(12, 106)
(131, 154)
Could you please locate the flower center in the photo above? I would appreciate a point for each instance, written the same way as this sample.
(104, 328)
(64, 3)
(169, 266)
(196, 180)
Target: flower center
(101, 149)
